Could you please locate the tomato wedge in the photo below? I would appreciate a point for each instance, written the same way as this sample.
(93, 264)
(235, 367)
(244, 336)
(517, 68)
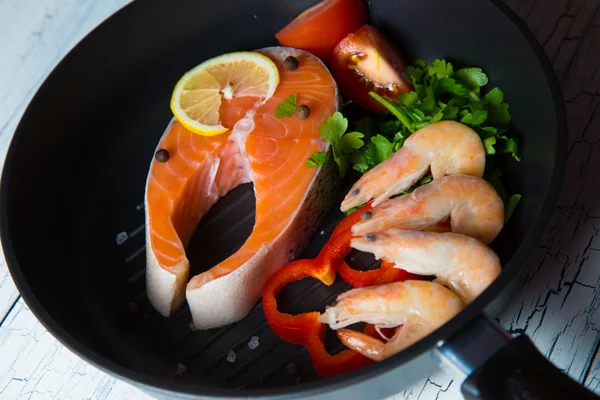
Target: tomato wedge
(366, 61)
(320, 28)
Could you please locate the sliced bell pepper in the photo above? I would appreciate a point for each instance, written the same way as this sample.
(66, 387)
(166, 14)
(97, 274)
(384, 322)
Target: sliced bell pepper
(305, 328)
(325, 364)
(290, 327)
(386, 273)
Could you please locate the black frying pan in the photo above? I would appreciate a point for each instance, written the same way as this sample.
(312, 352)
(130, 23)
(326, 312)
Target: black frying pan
(75, 175)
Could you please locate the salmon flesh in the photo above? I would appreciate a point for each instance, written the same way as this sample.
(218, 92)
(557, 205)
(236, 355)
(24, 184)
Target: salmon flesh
(291, 198)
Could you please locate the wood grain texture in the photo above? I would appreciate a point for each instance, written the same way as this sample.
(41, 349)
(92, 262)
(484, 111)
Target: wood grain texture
(34, 365)
(8, 291)
(556, 304)
(560, 25)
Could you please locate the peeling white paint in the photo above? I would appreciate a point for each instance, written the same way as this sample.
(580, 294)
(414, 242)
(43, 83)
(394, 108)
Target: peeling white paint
(556, 304)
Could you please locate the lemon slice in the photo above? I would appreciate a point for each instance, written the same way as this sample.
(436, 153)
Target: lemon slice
(198, 94)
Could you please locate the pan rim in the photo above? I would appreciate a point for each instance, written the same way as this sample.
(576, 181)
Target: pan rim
(472, 311)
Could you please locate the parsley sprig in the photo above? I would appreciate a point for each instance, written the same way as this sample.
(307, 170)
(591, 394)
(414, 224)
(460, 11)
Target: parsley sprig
(287, 107)
(343, 144)
(440, 93)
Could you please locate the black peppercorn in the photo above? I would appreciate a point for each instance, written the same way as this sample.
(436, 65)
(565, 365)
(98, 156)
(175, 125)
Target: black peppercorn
(162, 155)
(290, 63)
(302, 111)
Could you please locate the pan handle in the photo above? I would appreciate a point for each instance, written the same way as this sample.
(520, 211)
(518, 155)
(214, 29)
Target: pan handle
(501, 367)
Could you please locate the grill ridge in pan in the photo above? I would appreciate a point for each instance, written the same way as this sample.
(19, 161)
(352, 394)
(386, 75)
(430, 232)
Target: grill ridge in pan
(205, 352)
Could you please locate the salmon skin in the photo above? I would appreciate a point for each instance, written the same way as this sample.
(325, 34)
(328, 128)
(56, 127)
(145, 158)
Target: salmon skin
(291, 198)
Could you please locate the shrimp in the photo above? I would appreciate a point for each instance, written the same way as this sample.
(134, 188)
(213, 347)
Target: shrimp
(463, 264)
(473, 205)
(448, 147)
(420, 307)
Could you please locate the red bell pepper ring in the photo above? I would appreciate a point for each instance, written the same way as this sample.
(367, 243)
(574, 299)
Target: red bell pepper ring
(386, 273)
(325, 364)
(305, 328)
(287, 326)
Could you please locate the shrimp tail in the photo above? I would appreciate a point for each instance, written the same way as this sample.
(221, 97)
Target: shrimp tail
(362, 343)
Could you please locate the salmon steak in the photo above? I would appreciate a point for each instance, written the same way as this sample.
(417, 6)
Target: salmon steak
(258, 147)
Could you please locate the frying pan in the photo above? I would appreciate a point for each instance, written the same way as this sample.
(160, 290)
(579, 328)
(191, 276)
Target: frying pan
(74, 178)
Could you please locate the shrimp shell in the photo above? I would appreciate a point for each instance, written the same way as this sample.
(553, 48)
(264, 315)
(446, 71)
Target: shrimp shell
(445, 147)
(473, 205)
(420, 307)
(462, 263)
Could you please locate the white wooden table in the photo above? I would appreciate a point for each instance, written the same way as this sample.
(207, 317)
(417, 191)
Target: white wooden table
(556, 304)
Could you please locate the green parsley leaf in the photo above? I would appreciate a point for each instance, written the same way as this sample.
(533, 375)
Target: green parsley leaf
(488, 144)
(450, 113)
(477, 118)
(510, 206)
(440, 68)
(375, 152)
(343, 144)
(489, 129)
(437, 117)
(449, 85)
(420, 63)
(474, 78)
(317, 159)
(360, 162)
(333, 129)
(429, 103)
(409, 99)
(415, 74)
(494, 96)
(287, 107)
(398, 141)
(477, 105)
(351, 141)
(499, 114)
(384, 148)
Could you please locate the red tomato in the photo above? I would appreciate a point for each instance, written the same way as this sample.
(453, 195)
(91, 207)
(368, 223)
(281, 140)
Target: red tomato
(320, 28)
(366, 61)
